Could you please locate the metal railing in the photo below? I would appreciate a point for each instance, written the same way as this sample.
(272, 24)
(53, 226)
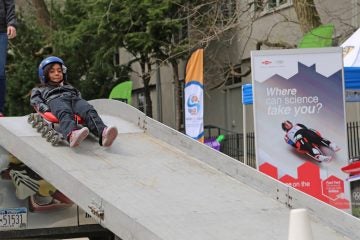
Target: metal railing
(353, 139)
(233, 143)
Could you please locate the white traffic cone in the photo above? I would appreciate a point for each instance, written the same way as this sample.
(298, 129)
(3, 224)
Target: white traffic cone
(299, 225)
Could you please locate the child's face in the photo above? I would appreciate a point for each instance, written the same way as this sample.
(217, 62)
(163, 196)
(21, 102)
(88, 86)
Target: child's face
(55, 73)
(288, 125)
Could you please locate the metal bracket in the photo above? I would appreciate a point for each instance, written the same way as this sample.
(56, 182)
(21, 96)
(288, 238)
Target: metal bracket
(97, 210)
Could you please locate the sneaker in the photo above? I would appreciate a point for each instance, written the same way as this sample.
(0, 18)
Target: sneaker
(1, 114)
(77, 136)
(108, 136)
(334, 147)
(322, 158)
(25, 184)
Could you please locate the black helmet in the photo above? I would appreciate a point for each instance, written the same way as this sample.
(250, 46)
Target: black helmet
(283, 125)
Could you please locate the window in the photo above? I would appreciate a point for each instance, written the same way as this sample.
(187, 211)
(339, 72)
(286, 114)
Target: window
(141, 101)
(116, 58)
(182, 104)
(276, 3)
(270, 5)
(232, 76)
(228, 8)
(259, 5)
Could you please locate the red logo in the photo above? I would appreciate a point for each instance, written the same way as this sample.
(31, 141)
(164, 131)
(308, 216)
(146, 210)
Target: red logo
(266, 62)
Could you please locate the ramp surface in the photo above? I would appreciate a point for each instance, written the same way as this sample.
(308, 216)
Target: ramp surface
(155, 183)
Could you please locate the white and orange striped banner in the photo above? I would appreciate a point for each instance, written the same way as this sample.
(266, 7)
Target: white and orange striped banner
(194, 97)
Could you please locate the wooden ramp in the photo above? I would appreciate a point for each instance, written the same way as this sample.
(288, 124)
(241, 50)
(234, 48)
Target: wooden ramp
(155, 183)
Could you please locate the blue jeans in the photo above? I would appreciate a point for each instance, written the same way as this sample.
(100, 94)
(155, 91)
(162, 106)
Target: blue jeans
(3, 55)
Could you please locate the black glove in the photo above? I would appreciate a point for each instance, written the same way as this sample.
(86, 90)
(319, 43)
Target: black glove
(43, 108)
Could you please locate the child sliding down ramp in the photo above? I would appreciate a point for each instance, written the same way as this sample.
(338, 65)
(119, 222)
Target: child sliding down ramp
(58, 103)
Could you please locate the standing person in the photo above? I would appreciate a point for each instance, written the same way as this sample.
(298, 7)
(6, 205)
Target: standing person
(303, 139)
(63, 100)
(7, 31)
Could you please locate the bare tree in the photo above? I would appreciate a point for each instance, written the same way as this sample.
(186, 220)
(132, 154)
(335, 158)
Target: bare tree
(307, 14)
(42, 13)
(224, 33)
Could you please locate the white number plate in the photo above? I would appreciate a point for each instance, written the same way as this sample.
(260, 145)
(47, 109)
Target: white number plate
(13, 218)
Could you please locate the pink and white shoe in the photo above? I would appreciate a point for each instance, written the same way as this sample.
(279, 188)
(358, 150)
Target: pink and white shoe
(322, 158)
(77, 136)
(334, 147)
(108, 136)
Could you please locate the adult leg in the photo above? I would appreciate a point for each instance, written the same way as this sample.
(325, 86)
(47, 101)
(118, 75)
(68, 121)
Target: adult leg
(325, 142)
(312, 141)
(303, 146)
(317, 139)
(3, 55)
(61, 108)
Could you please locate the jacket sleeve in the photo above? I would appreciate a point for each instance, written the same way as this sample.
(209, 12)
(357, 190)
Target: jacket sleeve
(36, 98)
(288, 141)
(10, 13)
(75, 90)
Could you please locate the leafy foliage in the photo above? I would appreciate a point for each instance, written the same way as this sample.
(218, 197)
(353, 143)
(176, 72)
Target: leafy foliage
(86, 35)
(88, 54)
(148, 29)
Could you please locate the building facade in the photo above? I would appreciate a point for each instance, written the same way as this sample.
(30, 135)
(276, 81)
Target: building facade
(227, 59)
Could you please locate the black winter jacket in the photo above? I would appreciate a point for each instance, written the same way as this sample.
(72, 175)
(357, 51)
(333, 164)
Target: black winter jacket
(44, 94)
(7, 14)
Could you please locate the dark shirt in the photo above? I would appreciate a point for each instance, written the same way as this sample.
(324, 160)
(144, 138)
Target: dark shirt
(44, 94)
(7, 14)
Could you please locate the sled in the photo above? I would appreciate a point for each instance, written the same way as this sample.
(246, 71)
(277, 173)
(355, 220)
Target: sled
(46, 124)
(353, 169)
